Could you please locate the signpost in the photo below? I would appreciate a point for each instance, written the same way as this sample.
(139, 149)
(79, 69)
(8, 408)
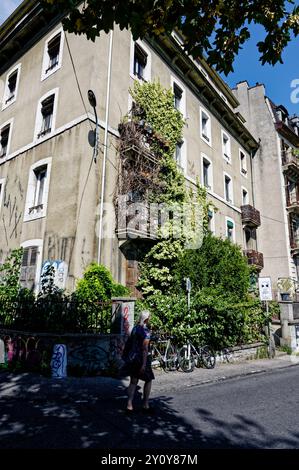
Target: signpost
(265, 290)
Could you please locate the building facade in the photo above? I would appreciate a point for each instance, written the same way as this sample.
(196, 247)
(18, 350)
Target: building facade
(275, 180)
(55, 197)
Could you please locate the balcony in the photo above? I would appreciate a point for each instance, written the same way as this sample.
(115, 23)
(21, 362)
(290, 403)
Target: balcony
(294, 245)
(292, 204)
(250, 216)
(255, 258)
(290, 163)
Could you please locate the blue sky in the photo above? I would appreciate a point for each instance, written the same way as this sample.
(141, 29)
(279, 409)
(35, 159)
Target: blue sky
(277, 79)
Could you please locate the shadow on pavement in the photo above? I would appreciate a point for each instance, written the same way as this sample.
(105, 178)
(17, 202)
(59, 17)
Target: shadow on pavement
(41, 413)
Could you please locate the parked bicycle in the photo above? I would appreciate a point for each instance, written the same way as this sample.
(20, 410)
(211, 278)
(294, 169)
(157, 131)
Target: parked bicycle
(190, 356)
(164, 352)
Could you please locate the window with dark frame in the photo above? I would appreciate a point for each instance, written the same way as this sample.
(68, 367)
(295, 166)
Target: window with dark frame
(178, 94)
(243, 163)
(228, 189)
(205, 131)
(206, 174)
(47, 108)
(11, 86)
(4, 136)
(226, 149)
(140, 61)
(53, 52)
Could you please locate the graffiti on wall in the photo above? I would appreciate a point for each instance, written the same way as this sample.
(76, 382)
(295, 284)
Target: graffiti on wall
(12, 222)
(58, 248)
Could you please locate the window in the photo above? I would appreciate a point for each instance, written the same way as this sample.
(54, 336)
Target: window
(230, 229)
(205, 123)
(11, 87)
(47, 109)
(207, 173)
(179, 95)
(180, 155)
(226, 149)
(53, 54)
(245, 198)
(46, 114)
(31, 264)
(211, 221)
(140, 61)
(228, 189)
(4, 139)
(38, 188)
(243, 163)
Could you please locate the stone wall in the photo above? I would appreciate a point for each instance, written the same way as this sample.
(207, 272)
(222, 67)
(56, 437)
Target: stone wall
(87, 354)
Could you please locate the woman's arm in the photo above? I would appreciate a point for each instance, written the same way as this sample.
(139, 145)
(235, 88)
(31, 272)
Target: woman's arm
(145, 346)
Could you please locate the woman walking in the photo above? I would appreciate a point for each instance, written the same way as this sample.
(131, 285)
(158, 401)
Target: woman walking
(142, 368)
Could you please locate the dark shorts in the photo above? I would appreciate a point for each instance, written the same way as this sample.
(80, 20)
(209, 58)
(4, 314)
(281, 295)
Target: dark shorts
(148, 374)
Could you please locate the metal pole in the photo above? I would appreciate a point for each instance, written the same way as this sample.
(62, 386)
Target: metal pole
(105, 148)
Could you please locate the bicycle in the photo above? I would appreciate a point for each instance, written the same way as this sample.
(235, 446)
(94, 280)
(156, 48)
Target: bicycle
(164, 353)
(190, 356)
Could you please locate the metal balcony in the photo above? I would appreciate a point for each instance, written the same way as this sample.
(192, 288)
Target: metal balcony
(290, 163)
(255, 258)
(250, 216)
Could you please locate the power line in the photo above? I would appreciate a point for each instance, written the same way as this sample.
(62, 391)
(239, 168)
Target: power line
(76, 77)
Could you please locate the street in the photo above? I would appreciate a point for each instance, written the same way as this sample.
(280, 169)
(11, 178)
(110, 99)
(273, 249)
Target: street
(259, 411)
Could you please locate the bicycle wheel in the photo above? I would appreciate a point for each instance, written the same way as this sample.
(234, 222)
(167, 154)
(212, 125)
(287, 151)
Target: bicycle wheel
(171, 362)
(186, 363)
(208, 357)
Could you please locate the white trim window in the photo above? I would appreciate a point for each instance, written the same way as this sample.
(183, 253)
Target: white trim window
(179, 94)
(52, 59)
(38, 190)
(226, 146)
(230, 229)
(205, 126)
(206, 172)
(31, 264)
(245, 197)
(180, 155)
(2, 186)
(228, 189)
(140, 61)
(11, 86)
(243, 163)
(5, 138)
(46, 114)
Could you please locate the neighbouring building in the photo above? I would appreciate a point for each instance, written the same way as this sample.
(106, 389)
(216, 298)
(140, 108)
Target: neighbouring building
(275, 181)
(50, 185)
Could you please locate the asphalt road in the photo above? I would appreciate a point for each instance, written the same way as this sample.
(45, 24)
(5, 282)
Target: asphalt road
(253, 412)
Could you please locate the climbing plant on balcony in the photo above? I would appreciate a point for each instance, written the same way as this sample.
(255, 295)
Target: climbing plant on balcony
(154, 128)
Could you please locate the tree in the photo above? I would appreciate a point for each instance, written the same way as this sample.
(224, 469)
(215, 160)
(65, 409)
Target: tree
(216, 28)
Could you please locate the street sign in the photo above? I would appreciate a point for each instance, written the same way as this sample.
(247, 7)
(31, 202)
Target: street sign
(265, 288)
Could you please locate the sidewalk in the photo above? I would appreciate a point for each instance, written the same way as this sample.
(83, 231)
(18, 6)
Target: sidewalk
(105, 386)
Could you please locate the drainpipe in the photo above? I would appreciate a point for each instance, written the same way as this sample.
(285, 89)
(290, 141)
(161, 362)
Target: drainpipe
(105, 147)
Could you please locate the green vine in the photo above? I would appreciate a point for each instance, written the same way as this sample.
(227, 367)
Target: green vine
(155, 106)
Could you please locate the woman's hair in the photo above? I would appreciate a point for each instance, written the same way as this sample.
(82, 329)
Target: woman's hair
(144, 315)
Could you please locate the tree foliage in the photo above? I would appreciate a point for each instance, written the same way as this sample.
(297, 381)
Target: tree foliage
(218, 264)
(215, 28)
